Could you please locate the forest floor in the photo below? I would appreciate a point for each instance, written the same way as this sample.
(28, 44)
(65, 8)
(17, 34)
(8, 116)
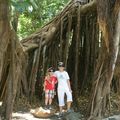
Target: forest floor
(22, 109)
(29, 116)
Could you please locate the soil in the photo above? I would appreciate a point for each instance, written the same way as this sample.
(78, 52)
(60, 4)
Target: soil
(28, 116)
(22, 109)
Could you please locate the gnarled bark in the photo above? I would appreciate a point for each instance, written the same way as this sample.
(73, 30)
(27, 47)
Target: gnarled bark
(47, 46)
(107, 60)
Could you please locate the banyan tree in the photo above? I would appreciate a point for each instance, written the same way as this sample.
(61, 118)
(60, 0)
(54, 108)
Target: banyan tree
(84, 35)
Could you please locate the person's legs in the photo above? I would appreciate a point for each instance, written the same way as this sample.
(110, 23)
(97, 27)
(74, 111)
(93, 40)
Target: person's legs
(69, 99)
(61, 99)
(69, 105)
(60, 109)
(46, 99)
(50, 101)
(50, 97)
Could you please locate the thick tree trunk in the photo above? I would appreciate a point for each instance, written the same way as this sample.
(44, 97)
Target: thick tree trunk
(15, 71)
(77, 46)
(11, 60)
(4, 33)
(108, 59)
(5, 39)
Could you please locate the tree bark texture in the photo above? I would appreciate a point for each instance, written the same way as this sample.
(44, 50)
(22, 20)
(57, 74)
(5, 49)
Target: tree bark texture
(10, 63)
(107, 60)
(73, 36)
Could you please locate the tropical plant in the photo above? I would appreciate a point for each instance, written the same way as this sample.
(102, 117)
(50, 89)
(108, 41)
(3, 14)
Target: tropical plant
(33, 14)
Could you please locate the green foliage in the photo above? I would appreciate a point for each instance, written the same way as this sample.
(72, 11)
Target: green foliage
(25, 26)
(20, 5)
(34, 14)
(51, 8)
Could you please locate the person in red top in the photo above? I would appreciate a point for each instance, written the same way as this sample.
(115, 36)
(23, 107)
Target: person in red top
(49, 87)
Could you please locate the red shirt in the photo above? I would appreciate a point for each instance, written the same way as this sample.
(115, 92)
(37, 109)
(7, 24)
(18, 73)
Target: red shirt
(50, 83)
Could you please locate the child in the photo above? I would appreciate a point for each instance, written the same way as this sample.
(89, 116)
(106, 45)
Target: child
(49, 87)
(64, 87)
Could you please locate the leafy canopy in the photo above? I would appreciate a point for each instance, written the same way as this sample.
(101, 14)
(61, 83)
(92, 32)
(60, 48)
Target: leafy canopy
(34, 14)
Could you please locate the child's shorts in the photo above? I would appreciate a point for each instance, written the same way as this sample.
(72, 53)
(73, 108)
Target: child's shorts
(61, 94)
(49, 93)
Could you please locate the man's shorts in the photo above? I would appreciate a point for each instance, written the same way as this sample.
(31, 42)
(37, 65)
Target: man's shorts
(61, 95)
(49, 93)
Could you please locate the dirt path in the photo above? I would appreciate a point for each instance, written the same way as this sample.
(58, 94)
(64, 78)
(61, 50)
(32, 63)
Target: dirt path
(25, 116)
(29, 116)
(72, 116)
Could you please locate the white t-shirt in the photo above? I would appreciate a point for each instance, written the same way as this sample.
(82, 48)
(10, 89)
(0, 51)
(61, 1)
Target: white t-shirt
(62, 78)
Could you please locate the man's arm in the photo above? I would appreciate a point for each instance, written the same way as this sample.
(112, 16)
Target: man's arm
(68, 82)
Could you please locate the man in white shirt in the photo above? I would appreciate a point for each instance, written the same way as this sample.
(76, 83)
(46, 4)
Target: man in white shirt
(63, 87)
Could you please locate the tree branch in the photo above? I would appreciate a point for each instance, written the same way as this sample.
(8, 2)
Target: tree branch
(49, 31)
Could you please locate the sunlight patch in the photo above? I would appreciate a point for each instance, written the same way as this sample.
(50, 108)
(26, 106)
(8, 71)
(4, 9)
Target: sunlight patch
(25, 115)
(0, 103)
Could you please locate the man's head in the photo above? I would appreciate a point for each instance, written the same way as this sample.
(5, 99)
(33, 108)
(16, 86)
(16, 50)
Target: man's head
(61, 66)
